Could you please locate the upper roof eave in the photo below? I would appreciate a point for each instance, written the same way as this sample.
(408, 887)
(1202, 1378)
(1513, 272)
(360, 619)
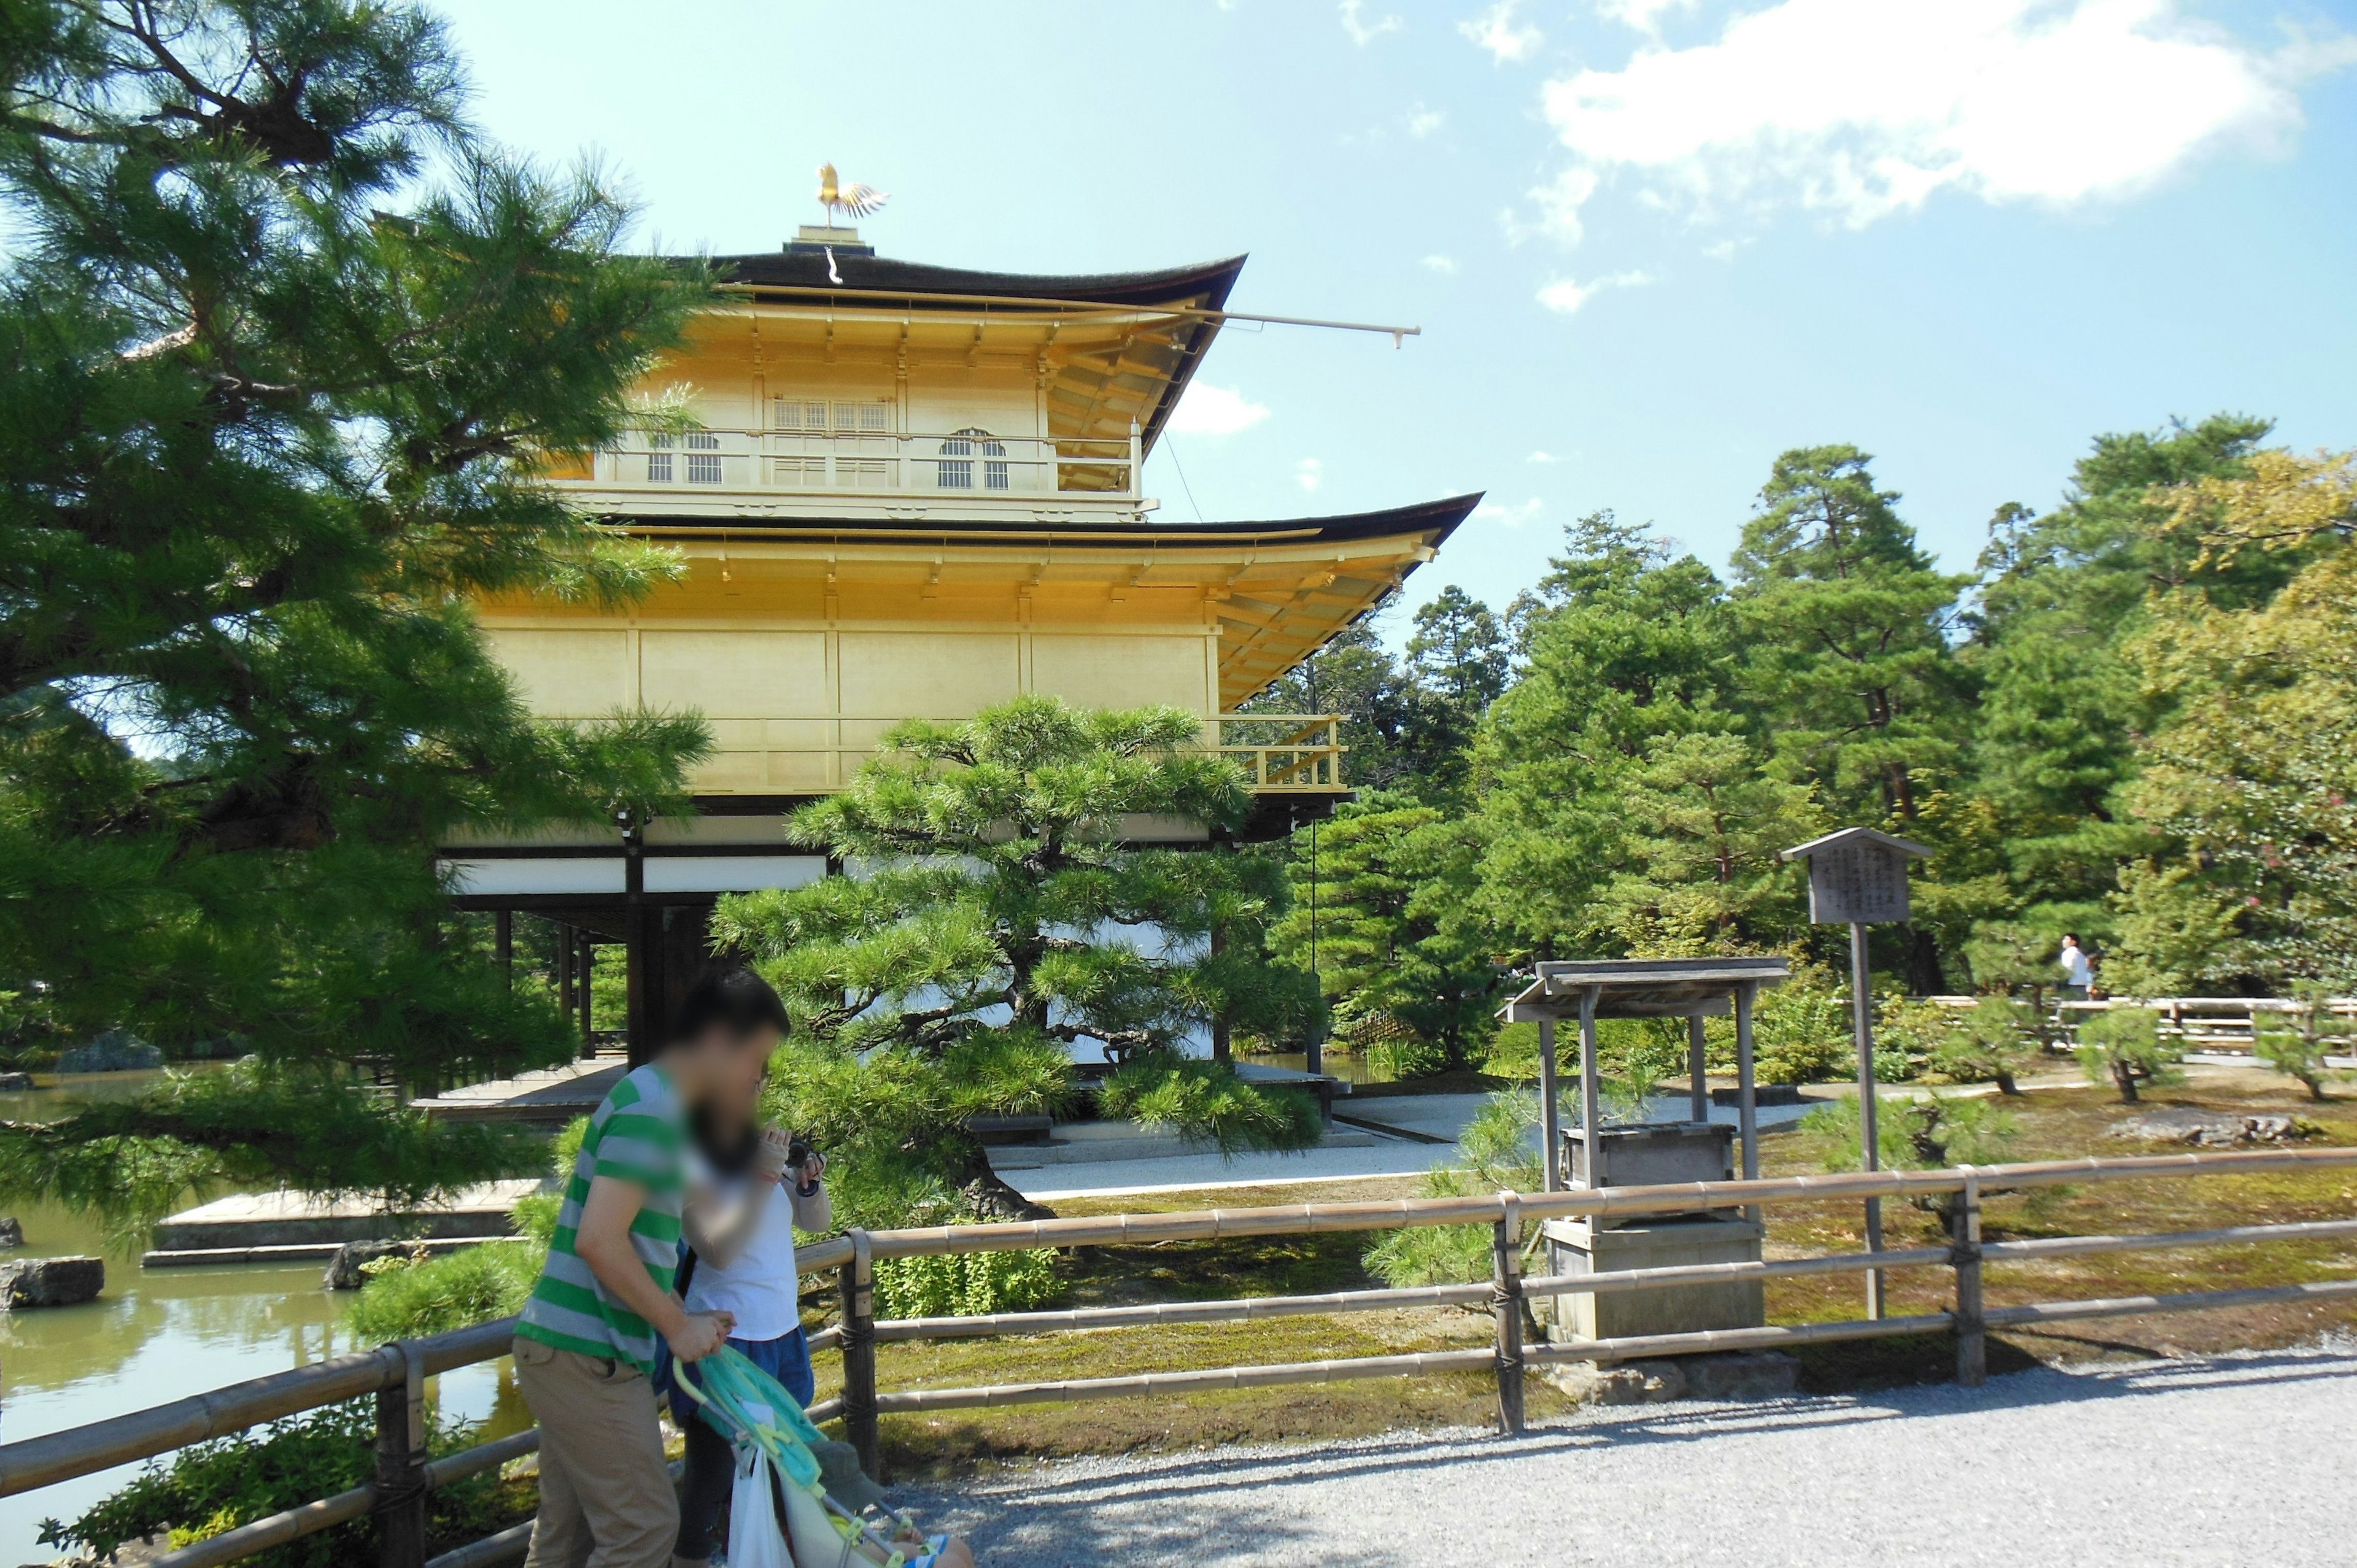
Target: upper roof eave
(1205, 285)
(1437, 518)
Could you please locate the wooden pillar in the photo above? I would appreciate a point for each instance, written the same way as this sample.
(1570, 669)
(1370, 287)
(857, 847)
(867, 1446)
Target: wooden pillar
(1591, 1088)
(1972, 1333)
(1697, 1070)
(1861, 1003)
(567, 942)
(400, 1504)
(1550, 1109)
(858, 1290)
(503, 944)
(641, 1008)
(1506, 1304)
(585, 971)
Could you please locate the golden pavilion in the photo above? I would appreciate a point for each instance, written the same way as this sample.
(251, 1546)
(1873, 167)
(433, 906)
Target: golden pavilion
(914, 491)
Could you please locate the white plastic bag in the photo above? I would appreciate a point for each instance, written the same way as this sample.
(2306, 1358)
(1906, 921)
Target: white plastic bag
(757, 1537)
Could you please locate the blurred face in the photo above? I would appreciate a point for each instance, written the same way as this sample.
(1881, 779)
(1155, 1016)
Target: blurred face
(728, 1070)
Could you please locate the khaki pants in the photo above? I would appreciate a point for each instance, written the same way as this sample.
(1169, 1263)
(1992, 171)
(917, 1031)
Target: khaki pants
(606, 1498)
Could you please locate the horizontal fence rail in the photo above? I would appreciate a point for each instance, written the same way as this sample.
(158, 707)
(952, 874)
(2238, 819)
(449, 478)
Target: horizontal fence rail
(394, 1373)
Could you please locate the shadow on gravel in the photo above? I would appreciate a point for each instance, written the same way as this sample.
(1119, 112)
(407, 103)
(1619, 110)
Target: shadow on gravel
(1235, 1501)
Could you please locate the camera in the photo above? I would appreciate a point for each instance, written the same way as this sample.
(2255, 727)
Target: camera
(798, 1153)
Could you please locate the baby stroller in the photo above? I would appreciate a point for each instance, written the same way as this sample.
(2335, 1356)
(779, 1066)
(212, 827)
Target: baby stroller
(782, 1516)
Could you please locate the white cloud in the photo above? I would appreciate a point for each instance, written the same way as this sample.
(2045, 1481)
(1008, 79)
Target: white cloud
(1513, 516)
(1542, 457)
(1440, 264)
(1423, 121)
(1864, 108)
(1309, 473)
(1565, 296)
(1559, 201)
(1645, 16)
(1494, 30)
(1206, 410)
(1363, 32)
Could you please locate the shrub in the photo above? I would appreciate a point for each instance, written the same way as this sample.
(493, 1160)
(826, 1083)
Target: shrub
(2296, 1043)
(210, 1487)
(1497, 1148)
(969, 1284)
(1207, 1099)
(408, 1298)
(2122, 1044)
(1918, 1134)
(1993, 1043)
(1801, 1034)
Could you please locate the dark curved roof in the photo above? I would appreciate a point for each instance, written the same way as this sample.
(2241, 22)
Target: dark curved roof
(1441, 517)
(1204, 284)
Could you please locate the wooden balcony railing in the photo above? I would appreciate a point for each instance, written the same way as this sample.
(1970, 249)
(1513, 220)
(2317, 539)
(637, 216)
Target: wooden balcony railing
(938, 465)
(1281, 754)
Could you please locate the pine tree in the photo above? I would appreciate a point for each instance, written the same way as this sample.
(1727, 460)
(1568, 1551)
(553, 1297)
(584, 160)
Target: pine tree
(275, 413)
(1396, 934)
(995, 919)
(1843, 617)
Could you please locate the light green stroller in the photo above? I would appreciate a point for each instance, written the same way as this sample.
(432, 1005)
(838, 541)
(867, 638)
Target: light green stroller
(774, 1437)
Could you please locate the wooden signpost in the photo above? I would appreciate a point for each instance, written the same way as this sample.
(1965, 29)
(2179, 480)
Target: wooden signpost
(1857, 878)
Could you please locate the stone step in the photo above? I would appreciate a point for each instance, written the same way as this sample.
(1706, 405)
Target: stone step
(1090, 1146)
(245, 1220)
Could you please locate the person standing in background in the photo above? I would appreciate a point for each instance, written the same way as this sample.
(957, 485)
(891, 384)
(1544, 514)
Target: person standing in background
(2078, 972)
(750, 1189)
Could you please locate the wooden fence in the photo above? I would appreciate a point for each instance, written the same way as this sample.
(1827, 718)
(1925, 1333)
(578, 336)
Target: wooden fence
(2224, 1025)
(395, 1374)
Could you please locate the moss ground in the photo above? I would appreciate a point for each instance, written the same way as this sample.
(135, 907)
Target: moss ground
(2054, 1121)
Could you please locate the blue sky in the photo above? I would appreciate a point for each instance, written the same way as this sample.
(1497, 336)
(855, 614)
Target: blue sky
(1651, 242)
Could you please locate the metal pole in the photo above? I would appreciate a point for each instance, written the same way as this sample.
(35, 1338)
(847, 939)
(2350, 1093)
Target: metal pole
(585, 999)
(1701, 1106)
(1591, 1089)
(1972, 1334)
(1506, 1303)
(400, 1506)
(1315, 1059)
(1550, 1109)
(1747, 1105)
(858, 1285)
(1861, 1003)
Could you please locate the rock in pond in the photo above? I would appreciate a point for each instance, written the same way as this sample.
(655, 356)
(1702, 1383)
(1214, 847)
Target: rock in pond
(50, 1281)
(12, 1233)
(344, 1270)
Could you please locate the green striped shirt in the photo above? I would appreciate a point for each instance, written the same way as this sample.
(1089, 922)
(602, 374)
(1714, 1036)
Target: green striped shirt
(635, 1137)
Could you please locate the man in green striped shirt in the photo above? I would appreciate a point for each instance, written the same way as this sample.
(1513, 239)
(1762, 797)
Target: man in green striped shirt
(585, 1347)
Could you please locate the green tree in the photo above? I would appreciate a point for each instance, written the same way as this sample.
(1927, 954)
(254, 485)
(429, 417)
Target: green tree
(1844, 617)
(1708, 823)
(2122, 1045)
(275, 415)
(1395, 932)
(1847, 662)
(2299, 1044)
(2065, 596)
(1623, 642)
(1994, 1042)
(995, 919)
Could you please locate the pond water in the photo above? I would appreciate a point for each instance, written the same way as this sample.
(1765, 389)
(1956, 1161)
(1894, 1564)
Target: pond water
(156, 1334)
(1350, 1066)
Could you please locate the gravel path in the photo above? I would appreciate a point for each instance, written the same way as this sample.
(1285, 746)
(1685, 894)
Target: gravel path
(2241, 1459)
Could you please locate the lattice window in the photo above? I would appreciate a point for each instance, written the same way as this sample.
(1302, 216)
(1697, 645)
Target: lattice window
(703, 458)
(955, 472)
(875, 416)
(659, 470)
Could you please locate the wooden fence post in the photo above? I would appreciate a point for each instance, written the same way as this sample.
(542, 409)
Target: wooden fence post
(858, 1275)
(400, 1506)
(1972, 1334)
(1506, 1258)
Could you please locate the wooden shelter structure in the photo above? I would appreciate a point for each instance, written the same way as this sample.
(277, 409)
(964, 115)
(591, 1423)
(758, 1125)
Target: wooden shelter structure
(1689, 988)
